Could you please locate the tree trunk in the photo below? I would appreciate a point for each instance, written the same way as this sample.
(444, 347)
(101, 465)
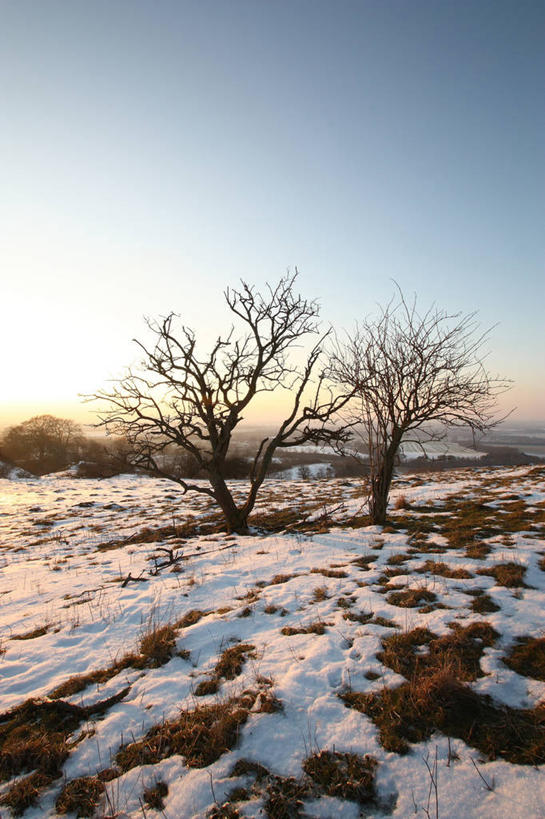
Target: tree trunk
(235, 518)
(381, 480)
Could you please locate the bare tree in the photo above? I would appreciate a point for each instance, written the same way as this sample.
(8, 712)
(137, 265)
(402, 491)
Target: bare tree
(413, 372)
(194, 402)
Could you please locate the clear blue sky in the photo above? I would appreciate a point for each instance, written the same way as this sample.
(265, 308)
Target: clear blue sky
(154, 152)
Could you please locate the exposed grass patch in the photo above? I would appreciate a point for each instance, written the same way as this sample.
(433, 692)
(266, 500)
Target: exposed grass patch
(156, 648)
(527, 657)
(190, 618)
(437, 698)
(341, 775)
(411, 598)
(200, 736)
(385, 622)
(329, 572)
(482, 603)
(284, 797)
(372, 675)
(31, 635)
(443, 570)
(396, 560)
(318, 627)
(207, 687)
(364, 562)
(154, 796)
(157, 645)
(358, 617)
(478, 551)
(319, 594)
(345, 776)
(462, 648)
(278, 579)
(80, 796)
(231, 661)
(508, 574)
(228, 667)
(35, 737)
(25, 792)
(441, 702)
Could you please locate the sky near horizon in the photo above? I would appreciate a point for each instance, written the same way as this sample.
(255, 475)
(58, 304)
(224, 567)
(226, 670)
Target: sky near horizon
(153, 153)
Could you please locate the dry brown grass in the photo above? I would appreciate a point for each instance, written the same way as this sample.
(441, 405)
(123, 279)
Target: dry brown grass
(411, 598)
(319, 594)
(437, 698)
(155, 795)
(462, 648)
(318, 627)
(156, 648)
(344, 776)
(200, 736)
(401, 502)
(190, 618)
(329, 572)
(31, 635)
(278, 579)
(441, 702)
(482, 602)
(443, 570)
(35, 737)
(527, 657)
(80, 796)
(508, 574)
(364, 562)
(228, 667)
(25, 792)
(398, 559)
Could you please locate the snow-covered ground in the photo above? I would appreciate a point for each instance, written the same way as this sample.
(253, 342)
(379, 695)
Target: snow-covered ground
(66, 548)
(437, 449)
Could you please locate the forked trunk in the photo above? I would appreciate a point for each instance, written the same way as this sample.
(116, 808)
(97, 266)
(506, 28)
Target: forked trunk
(235, 518)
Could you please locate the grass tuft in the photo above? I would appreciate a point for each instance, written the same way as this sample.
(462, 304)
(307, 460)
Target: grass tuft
(411, 598)
(80, 796)
(527, 657)
(154, 797)
(200, 736)
(508, 574)
(345, 776)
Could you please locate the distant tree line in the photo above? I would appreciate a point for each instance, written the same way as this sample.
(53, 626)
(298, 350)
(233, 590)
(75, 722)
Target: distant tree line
(45, 444)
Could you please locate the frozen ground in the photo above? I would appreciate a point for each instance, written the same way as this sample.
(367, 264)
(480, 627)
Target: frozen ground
(80, 587)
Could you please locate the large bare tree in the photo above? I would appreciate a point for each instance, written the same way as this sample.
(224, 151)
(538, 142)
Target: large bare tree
(416, 374)
(181, 398)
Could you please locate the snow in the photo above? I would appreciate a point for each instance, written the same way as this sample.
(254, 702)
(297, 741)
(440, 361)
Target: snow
(53, 574)
(437, 449)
